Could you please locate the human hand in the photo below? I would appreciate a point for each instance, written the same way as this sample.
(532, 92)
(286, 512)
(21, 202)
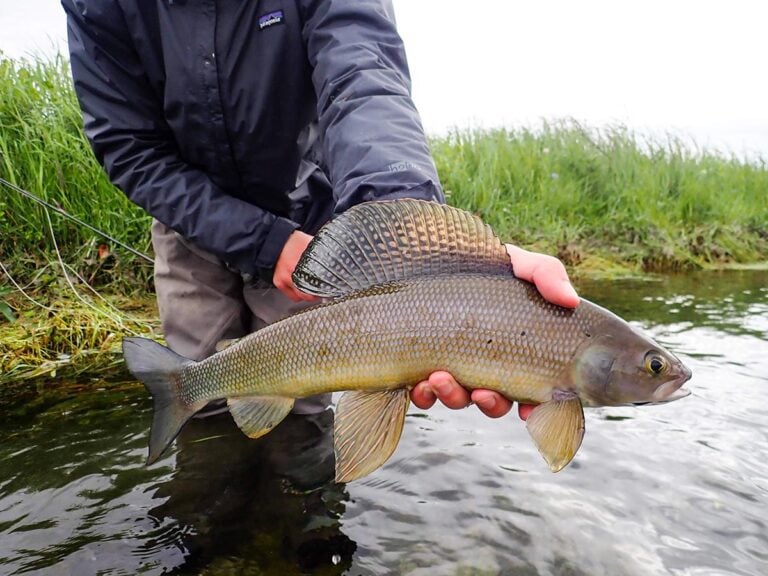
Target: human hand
(547, 273)
(442, 386)
(286, 264)
(551, 280)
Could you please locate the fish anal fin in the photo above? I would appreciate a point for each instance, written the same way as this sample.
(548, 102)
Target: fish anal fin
(258, 415)
(557, 428)
(367, 429)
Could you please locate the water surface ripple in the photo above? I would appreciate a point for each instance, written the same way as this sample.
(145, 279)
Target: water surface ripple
(680, 489)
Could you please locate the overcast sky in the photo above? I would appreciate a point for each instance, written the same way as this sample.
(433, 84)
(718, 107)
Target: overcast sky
(685, 66)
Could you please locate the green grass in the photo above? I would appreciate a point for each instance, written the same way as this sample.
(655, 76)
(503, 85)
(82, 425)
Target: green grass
(68, 336)
(608, 196)
(59, 324)
(585, 195)
(43, 150)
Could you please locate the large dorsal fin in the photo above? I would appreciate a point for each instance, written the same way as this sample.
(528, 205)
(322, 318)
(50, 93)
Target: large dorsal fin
(394, 240)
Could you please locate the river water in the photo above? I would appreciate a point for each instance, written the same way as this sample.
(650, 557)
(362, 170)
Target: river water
(676, 489)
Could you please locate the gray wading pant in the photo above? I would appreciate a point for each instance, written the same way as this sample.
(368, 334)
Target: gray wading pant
(202, 302)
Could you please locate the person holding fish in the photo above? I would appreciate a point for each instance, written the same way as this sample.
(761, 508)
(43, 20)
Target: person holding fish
(242, 128)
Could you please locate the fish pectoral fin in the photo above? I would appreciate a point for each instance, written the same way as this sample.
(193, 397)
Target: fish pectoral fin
(366, 430)
(557, 428)
(257, 415)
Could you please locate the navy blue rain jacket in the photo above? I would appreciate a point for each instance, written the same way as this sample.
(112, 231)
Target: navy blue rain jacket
(236, 122)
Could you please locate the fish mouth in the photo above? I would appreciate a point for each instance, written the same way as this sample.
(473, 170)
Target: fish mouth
(672, 396)
(672, 390)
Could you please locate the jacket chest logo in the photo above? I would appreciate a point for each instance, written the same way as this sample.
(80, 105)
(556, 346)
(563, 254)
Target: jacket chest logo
(271, 19)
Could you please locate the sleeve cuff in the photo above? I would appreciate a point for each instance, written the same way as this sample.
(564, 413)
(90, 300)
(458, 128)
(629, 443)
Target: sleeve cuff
(273, 246)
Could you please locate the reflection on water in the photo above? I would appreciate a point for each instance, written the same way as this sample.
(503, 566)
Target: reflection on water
(677, 489)
(76, 497)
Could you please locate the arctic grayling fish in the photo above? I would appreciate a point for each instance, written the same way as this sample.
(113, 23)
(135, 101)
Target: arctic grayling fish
(414, 287)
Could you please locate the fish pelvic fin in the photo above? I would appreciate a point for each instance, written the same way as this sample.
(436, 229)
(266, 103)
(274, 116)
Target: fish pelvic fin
(393, 240)
(158, 367)
(257, 415)
(366, 431)
(557, 428)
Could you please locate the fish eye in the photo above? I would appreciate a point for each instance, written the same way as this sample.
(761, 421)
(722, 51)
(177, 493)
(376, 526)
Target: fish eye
(655, 364)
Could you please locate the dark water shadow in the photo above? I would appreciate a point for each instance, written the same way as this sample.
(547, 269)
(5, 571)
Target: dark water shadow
(76, 497)
(269, 504)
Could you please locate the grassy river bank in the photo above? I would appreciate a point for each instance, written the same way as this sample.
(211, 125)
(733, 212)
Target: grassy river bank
(604, 201)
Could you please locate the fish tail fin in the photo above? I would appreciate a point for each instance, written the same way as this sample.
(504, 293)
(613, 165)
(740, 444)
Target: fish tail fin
(158, 367)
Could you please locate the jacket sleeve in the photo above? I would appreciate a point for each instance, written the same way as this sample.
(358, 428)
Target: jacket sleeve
(374, 143)
(124, 122)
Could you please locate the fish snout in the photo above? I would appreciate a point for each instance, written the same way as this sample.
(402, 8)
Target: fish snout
(673, 390)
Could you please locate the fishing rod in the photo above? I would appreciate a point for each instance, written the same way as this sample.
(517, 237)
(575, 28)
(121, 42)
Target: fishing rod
(74, 219)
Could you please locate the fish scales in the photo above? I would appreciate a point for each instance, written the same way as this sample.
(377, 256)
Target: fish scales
(488, 331)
